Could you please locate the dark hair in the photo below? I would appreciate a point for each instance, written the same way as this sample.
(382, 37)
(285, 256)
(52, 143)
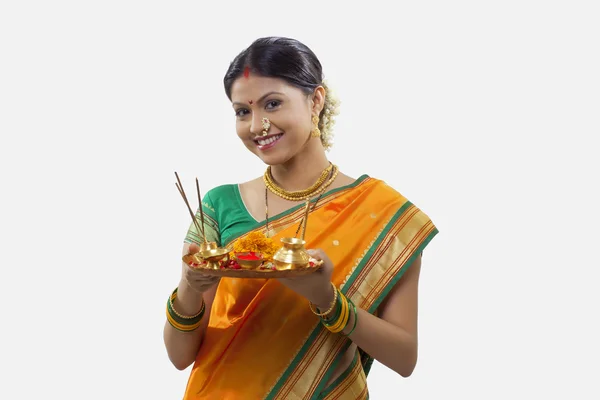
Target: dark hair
(277, 57)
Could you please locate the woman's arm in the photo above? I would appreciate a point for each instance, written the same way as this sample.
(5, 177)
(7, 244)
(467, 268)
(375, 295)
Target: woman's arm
(391, 338)
(183, 347)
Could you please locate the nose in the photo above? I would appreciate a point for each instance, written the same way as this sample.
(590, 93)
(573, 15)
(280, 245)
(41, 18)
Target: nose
(256, 126)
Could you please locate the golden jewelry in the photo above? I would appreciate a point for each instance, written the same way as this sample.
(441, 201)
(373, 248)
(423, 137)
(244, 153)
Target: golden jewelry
(302, 221)
(180, 322)
(174, 296)
(319, 187)
(316, 193)
(335, 296)
(315, 131)
(299, 193)
(266, 125)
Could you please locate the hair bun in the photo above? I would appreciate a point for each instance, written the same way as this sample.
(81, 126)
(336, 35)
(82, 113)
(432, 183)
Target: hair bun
(331, 108)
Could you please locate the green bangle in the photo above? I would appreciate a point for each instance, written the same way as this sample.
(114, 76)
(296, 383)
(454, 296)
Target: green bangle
(355, 318)
(181, 319)
(337, 314)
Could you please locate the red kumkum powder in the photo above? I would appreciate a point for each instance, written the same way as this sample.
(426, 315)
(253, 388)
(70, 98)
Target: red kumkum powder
(249, 257)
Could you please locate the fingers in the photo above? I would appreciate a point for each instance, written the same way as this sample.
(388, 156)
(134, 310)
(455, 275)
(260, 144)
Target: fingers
(200, 282)
(320, 256)
(194, 248)
(317, 254)
(199, 275)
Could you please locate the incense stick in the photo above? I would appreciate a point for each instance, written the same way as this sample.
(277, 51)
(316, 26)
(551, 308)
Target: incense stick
(305, 218)
(201, 211)
(182, 193)
(194, 219)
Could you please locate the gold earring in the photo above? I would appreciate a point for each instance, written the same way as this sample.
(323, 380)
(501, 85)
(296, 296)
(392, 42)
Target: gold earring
(266, 125)
(315, 131)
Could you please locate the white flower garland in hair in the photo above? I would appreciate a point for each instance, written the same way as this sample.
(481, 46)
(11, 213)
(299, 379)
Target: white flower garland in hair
(330, 110)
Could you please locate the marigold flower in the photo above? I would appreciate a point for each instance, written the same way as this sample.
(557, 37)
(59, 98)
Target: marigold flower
(255, 242)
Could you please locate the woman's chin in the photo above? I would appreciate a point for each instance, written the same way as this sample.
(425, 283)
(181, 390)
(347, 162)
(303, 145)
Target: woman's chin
(273, 159)
(269, 160)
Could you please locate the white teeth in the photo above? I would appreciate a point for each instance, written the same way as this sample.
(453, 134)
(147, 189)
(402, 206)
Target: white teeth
(268, 141)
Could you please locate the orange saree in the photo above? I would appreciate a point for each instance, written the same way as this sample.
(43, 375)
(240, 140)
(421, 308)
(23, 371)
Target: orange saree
(262, 341)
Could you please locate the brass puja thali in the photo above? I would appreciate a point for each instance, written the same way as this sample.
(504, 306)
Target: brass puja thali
(252, 256)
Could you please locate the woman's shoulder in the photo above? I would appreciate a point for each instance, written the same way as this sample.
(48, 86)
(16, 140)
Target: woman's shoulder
(228, 193)
(390, 193)
(219, 197)
(381, 190)
(370, 181)
(220, 191)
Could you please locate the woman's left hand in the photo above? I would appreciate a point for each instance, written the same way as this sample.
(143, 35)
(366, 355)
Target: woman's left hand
(316, 286)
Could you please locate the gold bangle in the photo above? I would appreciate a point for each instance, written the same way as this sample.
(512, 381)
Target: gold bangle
(174, 296)
(335, 296)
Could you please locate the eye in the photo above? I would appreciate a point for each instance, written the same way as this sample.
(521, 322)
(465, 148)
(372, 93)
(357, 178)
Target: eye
(241, 112)
(273, 104)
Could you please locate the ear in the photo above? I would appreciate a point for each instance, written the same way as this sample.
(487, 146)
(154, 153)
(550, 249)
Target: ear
(318, 100)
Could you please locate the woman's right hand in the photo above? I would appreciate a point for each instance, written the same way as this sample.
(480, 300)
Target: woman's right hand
(195, 279)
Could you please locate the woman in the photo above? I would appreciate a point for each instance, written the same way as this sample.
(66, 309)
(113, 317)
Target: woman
(315, 336)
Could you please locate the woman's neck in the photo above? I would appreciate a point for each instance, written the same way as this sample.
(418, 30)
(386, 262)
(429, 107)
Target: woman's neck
(300, 172)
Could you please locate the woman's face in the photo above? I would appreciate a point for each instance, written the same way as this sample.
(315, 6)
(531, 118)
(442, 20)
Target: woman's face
(288, 109)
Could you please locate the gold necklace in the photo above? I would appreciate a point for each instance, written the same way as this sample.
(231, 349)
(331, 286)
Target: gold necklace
(332, 176)
(301, 195)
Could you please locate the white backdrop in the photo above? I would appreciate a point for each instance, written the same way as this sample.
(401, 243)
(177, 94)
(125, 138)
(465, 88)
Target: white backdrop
(481, 113)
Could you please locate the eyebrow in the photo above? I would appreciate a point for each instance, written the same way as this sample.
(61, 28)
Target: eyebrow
(259, 100)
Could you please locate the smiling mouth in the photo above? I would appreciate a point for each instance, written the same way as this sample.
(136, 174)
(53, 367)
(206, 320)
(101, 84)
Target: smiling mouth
(270, 139)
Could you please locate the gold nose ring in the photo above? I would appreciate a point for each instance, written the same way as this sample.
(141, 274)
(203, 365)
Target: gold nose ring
(266, 125)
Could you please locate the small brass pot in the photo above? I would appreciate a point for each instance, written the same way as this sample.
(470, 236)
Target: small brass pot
(292, 255)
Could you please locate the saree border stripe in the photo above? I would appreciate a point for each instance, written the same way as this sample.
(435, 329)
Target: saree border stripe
(364, 395)
(282, 379)
(429, 236)
(405, 260)
(341, 348)
(368, 260)
(331, 362)
(385, 260)
(344, 389)
(305, 362)
(388, 259)
(300, 363)
(339, 388)
(334, 385)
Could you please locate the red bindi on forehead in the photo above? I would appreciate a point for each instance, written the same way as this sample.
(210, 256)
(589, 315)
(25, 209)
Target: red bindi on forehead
(251, 101)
